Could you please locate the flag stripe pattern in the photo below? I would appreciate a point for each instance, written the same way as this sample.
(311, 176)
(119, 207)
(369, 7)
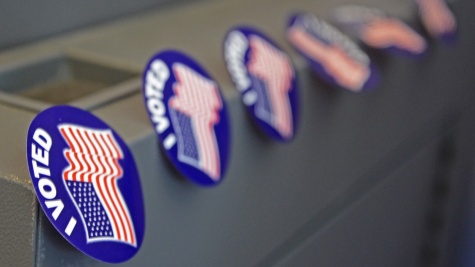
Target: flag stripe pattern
(275, 69)
(346, 71)
(437, 17)
(386, 32)
(198, 98)
(91, 177)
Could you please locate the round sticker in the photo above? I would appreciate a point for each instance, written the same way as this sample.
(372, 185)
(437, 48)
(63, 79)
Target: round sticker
(265, 77)
(333, 56)
(87, 183)
(438, 19)
(189, 116)
(378, 30)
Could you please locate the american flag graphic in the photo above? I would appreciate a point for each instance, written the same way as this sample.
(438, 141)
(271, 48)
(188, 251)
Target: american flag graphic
(345, 70)
(437, 17)
(274, 69)
(91, 179)
(194, 109)
(386, 32)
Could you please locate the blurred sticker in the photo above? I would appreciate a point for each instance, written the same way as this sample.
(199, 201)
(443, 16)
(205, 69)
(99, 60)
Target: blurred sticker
(378, 30)
(189, 116)
(87, 183)
(334, 56)
(265, 77)
(437, 18)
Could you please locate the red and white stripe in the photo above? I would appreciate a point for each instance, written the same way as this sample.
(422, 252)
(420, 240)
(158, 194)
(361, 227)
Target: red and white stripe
(437, 17)
(275, 69)
(345, 70)
(386, 32)
(198, 98)
(94, 158)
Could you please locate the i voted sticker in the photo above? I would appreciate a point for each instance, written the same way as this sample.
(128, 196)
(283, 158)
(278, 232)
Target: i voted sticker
(378, 30)
(334, 56)
(189, 116)
(87, 183)
(437, 19)
(265, 77)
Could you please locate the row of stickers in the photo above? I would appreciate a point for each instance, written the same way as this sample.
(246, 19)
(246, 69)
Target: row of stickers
(85, 176)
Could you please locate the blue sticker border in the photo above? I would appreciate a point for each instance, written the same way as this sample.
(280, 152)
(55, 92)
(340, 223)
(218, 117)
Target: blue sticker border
(270, 131)
(354, 27)
(106, 251)
(374, 76)
(222, 129)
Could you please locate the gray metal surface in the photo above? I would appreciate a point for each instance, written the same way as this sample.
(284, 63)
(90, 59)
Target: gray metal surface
(32, 20)
(352, 151)
(385, 227)
(60, 79)
(19, 212)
